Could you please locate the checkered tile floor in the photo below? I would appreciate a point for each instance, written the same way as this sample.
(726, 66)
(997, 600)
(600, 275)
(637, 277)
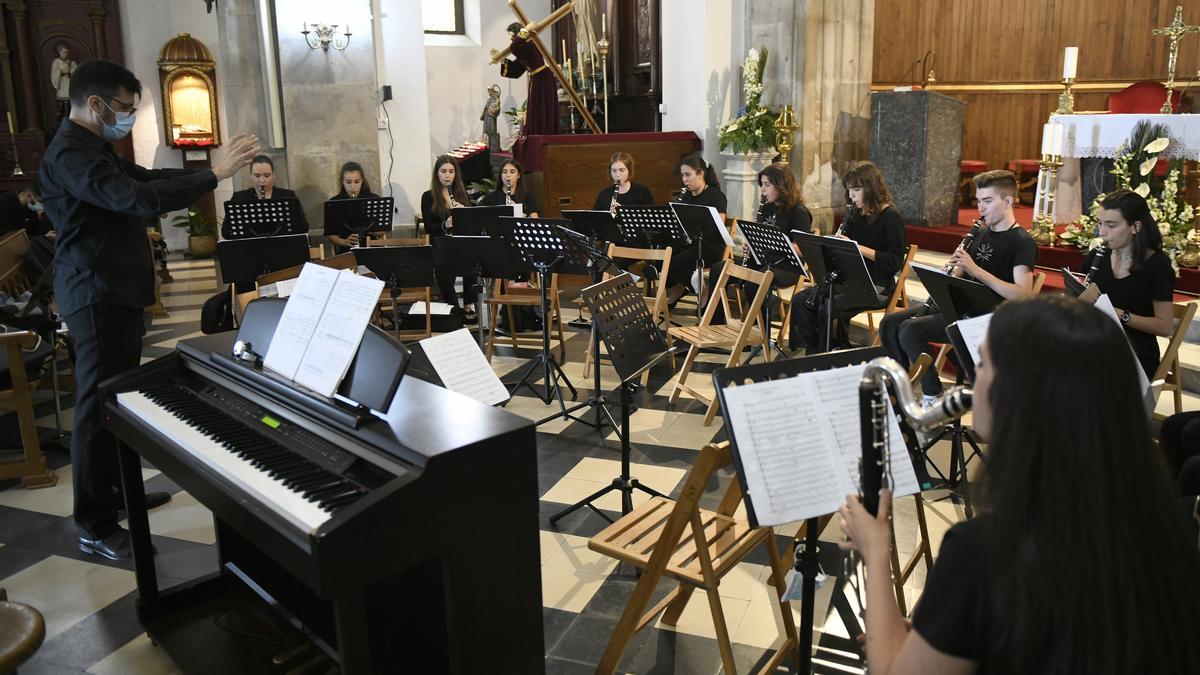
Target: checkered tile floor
(89, 603)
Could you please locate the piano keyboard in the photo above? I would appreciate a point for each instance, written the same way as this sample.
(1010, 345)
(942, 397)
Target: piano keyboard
(297, 489)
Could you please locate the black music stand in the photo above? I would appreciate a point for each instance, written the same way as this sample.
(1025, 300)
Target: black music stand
(807, 551)
(698, 220)
(956, 298)
(243, 260)
(262, 218)
(534, 243)
(634, 344)
(836, 264)
(651, 226)
(399, 267)
(360, 216)
(770, 249)
(474, 221)
(484, 256)
(600, 225)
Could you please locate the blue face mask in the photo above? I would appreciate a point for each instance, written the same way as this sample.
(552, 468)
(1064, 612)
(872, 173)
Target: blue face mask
(120, 128)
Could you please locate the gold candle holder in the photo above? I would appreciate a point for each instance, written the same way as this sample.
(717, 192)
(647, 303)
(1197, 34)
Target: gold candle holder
(785, 130)
(1066, 100)
(1043, 224)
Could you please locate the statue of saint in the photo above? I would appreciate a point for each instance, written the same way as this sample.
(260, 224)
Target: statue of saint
(61, 70)
(491, 111)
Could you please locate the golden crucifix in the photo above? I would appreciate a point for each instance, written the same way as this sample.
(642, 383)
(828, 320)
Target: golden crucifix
(530, 32)
(1174, 33)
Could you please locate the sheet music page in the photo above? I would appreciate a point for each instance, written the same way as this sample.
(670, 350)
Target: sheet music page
(338, 332)
(799, 441)
(974, 331)
(518, 210)
(1104, 304)
(435, 308)
(462, 367)
(284, 288)
(716, 217)
(299, 320)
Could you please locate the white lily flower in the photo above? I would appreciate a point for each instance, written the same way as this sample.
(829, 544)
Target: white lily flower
(1157, 145)
(1147, 166)
(1142, 190)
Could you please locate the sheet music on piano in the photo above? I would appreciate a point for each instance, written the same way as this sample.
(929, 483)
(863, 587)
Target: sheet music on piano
(460, 364)
(799, 444)
(322, 326)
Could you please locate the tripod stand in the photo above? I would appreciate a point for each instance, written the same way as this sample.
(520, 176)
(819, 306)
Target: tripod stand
(634, 344)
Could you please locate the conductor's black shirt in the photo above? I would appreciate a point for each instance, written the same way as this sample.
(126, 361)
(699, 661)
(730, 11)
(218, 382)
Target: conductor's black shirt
(99, 204)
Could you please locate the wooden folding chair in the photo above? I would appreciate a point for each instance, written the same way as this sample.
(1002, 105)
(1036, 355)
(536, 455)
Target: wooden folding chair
(695, 547)
(527, 296)
(656, 297)
(734, 335)
(1168, 367)
(924, 550)
(939, 361)
(899, 299)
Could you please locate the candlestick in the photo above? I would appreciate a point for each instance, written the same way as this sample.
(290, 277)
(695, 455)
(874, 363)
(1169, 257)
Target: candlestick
(1070, 62)
(604, 24)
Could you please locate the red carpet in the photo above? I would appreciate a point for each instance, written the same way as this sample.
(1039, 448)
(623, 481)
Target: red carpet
(945, 238)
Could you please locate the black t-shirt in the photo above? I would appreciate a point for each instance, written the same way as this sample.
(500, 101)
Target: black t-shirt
(1137, 294)
(434, 225)
(999, 252)
(709, 196)
(886, 235)
(528, 204)
(955, 612)
(638, 195)
(795, 218)
(339, 228)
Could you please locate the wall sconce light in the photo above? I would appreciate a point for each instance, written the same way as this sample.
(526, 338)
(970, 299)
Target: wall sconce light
(326, 35)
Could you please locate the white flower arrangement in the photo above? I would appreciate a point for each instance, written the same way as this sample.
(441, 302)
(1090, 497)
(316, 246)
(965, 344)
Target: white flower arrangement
(752, 129)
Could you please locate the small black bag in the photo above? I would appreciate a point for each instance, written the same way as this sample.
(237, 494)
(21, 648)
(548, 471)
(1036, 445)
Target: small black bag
(216, 316)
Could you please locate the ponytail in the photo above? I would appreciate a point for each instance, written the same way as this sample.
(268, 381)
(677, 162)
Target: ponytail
(697, 164)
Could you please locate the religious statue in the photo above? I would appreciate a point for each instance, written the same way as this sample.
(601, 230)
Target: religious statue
(541, 115)
(491, 111)
(61, 70)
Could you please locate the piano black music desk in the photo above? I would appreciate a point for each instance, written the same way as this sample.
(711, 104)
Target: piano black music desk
(436, 569)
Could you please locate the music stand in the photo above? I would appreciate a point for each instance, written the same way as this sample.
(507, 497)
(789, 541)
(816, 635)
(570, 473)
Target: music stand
(600, 225)
(399, 267)
(244, 260)
(485, 257)
(835, 263)
(634, 344)
(262, 218)
(651, 226)
(770, 248)
(807, 553)
(474, 221)
(956, 298)
(696, 221)
(534, 244)
(360, 216)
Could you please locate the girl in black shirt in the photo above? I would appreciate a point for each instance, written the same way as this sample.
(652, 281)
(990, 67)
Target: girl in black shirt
(512, 190)
(446, 182)
(1083, 561)
(782, 208)
(701, 187)
(1136, 275)
(879, 231)
(353, 185)
(620, 169)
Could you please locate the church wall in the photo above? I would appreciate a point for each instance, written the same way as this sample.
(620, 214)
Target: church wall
(400, 59)
(458, 75)
(1005, 59)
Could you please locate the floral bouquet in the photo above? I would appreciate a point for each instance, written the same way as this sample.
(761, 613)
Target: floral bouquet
(752, 130)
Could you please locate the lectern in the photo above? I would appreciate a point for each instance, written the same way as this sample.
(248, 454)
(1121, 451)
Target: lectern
(916, 141)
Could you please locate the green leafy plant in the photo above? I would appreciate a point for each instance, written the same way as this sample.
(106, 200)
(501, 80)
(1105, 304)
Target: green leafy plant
(752, 130)
(479, 189)
(197, 224)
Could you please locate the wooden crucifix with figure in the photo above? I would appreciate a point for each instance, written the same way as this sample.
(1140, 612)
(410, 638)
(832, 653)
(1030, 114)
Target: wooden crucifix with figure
(531, 56)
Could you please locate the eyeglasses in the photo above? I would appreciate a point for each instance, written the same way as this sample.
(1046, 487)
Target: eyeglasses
(129, 108)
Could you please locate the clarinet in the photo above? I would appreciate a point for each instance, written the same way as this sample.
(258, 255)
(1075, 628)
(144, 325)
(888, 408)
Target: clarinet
(758, 218)
(1101, 253)
(965, 243)
(851, 212)
(614, 204)
(508, 200)
(453, 205)
(262, 191)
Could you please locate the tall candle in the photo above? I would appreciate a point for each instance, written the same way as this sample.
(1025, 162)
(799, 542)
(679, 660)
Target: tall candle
(604, 24)
(11, 126)
(1070, 62)
(565, 56)
(1060, 137)
(1047, 137)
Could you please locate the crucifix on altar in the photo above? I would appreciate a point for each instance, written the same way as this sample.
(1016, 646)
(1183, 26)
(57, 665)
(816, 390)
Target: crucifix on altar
(529, 34)
(1174, 33)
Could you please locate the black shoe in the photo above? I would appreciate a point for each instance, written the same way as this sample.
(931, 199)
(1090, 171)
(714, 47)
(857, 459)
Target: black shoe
(115, 546)
(156, 499)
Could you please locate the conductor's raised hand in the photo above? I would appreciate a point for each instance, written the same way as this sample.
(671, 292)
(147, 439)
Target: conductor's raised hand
(870, 535)
(237, 154)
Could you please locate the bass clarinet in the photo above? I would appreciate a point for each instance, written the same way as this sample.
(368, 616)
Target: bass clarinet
(1101, 255)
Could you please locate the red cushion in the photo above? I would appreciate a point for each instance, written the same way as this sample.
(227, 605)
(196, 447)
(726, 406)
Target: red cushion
(972, 166)
(1024, 166)
(1142, 97)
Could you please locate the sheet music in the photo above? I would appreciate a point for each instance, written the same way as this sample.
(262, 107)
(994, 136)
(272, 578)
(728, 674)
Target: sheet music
(284, 288)
(518, 210)
(299, 319)
(435, 308)
(339, 332)
(1104, 304)
(720, 225)
(462, 367)
(799, 441)
(974, 331)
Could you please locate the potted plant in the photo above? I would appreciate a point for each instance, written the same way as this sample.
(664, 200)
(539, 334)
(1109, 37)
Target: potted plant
(202, 241)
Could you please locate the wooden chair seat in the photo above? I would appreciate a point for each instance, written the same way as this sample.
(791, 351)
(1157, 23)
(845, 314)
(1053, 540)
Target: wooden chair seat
(22, 630)
(899, 299)
(1169, 370)
(524, 296)
(711, 337)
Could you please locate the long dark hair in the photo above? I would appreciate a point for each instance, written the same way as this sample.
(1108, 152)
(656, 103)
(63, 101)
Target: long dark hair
(456, 189)
(351, 167)
(518, 192)
(789, 190)
(1134, 209)
(696, 163)
(1092, 566)
(875, 191)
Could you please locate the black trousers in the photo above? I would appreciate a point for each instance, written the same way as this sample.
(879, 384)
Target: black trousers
(907, 334)
(779, 279)
(445, 282)
(108, 342)
(810, 311)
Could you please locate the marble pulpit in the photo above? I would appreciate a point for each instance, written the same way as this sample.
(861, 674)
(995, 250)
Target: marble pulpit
(916, 141)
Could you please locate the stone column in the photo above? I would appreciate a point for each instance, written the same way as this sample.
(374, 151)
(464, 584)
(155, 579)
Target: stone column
(99, 15)
(29, 81)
